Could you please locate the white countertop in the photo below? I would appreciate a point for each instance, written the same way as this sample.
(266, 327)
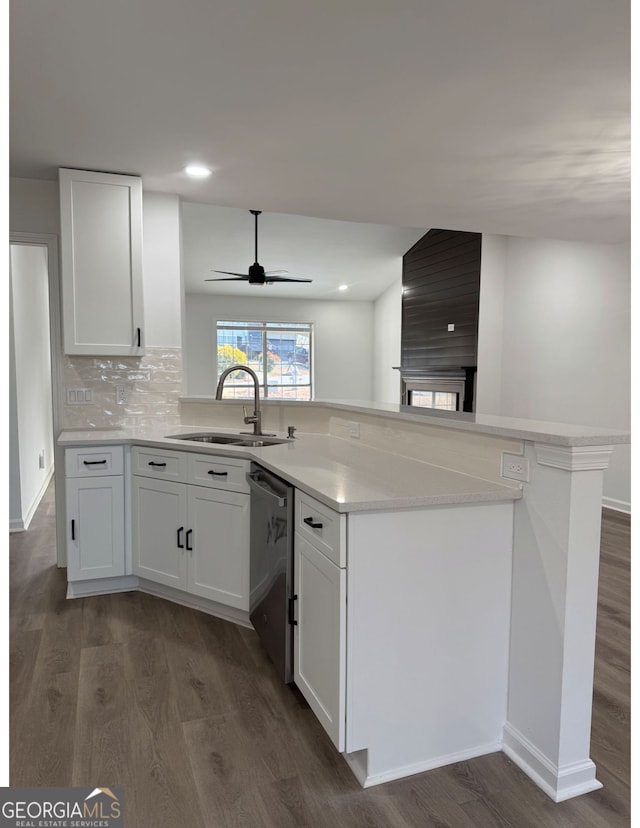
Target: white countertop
(345, 477)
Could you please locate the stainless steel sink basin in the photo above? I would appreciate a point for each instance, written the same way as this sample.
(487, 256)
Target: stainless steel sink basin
(229, 439)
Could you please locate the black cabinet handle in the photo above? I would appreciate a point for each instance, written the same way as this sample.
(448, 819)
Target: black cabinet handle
(73, 530)
(139, 336)
(94, 462)
(292, 601)
(160, 465)
(188, 548)
(180, 531)
(217, 474)
(309, 522)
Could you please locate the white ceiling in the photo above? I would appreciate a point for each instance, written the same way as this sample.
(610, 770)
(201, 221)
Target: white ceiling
(496, 116)
(366, 257)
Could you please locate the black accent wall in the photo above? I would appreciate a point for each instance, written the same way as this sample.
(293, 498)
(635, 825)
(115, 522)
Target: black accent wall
(441, 286)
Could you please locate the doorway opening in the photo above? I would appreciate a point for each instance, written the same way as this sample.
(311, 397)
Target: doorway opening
(34, 364)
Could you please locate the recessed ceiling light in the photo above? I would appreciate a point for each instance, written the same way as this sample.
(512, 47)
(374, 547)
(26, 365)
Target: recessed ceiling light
(197, 171)
(343, 287)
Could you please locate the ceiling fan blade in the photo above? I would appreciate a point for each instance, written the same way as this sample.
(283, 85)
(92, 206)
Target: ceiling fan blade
(230, 279)
(272, 279)
(257, 274)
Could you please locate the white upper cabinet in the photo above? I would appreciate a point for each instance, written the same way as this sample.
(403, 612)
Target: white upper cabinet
(101, 243)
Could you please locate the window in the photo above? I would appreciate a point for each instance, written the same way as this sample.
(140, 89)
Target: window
(279, 353)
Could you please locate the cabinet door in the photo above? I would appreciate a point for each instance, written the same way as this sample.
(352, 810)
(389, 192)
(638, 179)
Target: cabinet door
(95, 527)
(219, 554)
(101, 245)
(159, 521)
(319, 644)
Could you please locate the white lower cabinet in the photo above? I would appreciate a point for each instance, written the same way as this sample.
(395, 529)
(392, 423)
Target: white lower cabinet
(192, 538)
(319, 654)
(159, 517)
(218, 566)
(95, 516)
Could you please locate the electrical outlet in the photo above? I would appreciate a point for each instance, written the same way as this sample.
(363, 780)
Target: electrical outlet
(122, 394)
(515, 467)
(354, 430)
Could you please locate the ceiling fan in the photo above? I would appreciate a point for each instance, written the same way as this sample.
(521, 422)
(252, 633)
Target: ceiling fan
(257, 274)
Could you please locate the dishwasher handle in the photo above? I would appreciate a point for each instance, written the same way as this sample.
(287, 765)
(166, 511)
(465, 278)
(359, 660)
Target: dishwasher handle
(257, 484)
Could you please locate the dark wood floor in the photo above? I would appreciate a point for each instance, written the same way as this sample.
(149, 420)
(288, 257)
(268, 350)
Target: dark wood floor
(185, 712)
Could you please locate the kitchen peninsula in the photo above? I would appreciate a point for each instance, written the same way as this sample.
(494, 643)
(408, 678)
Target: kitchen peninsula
(467, 618)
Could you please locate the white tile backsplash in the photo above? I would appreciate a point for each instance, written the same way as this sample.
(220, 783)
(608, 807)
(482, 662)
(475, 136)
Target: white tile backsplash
(154, 383)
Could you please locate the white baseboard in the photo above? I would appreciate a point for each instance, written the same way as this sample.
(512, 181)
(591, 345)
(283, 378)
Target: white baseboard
(101, 586)
(616, 505)
(368, 780)
(21, 524)
(558, 783)
(128, 583)
(236, 616)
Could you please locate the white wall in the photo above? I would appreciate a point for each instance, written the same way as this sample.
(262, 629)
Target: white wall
(565, 350)
(343, 337)
(31, 352)
(387, 329)
(161, 269)
(488, 396)
(34, 206)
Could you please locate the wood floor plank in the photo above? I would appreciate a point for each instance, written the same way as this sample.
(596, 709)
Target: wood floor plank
(144, 650)
(162, 784)
(196, 676)
(45, 733)
(227, 776)
(102, 754)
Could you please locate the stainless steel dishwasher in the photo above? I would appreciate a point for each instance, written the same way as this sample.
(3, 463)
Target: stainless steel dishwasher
(271, 566)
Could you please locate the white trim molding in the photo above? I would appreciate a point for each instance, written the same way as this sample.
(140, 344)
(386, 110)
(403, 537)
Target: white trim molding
(358, 762)
(623, 506)
(21, 524)
(559, 783)
(573, 458)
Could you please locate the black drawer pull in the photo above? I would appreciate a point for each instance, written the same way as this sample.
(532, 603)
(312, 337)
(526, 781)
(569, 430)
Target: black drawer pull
(73, 530)
(94, 462)
(160, 465)
(217, 474)
(189, 548)
(139, 335)
(309, 522)
(180, 544)
(292, 601)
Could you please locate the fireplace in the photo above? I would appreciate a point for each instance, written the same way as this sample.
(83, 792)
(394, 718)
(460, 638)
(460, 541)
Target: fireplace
(444, 389)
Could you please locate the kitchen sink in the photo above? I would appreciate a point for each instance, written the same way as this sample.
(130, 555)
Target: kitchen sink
(258, 441)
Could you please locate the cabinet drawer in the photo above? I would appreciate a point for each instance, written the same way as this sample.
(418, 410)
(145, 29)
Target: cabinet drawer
(218, 472)
(94, 461)
(167, 465)
(323, 527)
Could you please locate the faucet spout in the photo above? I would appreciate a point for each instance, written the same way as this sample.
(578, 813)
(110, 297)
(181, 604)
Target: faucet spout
(256, 417)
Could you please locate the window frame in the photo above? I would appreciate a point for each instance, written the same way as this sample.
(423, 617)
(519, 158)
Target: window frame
(265, 328)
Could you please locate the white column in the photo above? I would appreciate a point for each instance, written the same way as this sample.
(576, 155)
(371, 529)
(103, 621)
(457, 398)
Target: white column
(553, 617)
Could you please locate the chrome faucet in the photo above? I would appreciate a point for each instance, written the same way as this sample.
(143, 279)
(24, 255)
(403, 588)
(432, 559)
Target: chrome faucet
(256, 417)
